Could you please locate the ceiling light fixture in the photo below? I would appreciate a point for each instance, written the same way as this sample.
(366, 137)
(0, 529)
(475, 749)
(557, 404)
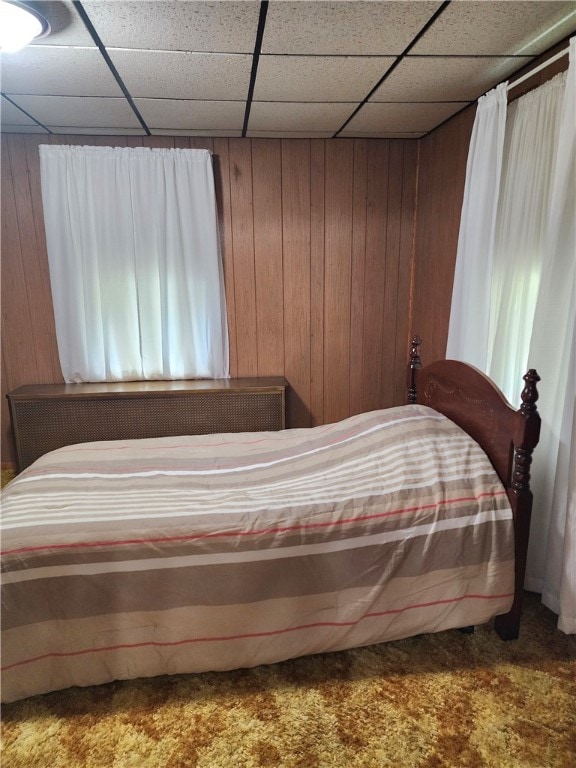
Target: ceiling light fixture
(19, 25)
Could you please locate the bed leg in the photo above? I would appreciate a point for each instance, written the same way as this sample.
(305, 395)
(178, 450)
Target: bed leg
(507, 625)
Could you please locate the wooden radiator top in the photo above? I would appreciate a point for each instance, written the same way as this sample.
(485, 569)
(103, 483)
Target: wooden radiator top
(139, 388)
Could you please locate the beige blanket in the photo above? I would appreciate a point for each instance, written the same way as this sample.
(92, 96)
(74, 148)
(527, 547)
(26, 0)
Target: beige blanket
(185, 554)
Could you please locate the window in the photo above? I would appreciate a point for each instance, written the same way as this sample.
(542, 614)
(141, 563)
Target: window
(135, 265)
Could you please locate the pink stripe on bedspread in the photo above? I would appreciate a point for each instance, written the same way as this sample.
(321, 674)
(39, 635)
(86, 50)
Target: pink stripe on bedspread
(259, 532)
(247, 635)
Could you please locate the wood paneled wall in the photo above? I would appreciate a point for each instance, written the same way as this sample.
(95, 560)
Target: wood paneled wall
(441, 177)
(317, 241)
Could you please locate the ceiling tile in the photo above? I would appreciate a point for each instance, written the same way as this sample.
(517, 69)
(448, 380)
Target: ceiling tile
(215, 133)
(191, 115)
(75, 130)
(66, 26)
(444, 79)
(290, 134)
(318, 78)
(352, 28)
(379, 135)
(178, 75)
(176, 25)
(7, 128)
(90, 112)
(319, 60)
(400, 118)
(11, 115)
(501, 28)
(58, 72)
(286, 116)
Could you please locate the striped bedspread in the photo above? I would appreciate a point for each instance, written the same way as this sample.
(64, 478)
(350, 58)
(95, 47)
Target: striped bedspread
(186, 554)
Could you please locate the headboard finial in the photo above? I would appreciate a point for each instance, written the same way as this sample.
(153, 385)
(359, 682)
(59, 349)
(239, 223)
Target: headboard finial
(530, 392)
(414, 355)
(415, 363)
(527, 438)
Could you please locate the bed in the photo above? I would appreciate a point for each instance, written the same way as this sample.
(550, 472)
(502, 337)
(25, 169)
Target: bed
(138, 558)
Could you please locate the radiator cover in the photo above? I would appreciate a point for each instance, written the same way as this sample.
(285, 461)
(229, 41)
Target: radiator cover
(50, 416)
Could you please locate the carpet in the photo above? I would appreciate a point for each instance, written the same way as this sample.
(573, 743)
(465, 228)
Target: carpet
(5, 476)
(447, 699)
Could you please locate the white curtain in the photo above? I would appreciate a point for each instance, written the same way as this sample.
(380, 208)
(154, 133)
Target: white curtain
(529, 157)
(473, 274)
(530, 303)
(135, 267)
(552, 562)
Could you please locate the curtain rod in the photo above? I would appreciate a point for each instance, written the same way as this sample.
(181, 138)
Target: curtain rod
(540, 67)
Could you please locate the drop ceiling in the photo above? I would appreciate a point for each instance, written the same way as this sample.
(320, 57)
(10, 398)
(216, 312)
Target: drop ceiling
(269, 69)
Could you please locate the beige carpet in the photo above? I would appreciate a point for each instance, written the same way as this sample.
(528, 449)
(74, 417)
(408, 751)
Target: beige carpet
(438, 700)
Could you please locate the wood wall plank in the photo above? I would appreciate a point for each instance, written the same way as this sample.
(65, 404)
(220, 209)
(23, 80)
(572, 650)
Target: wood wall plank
(241, 204)
(296, 276)
(17, 358)
(405, 267)
(8, 457)
(36, 276)
(17, 338)
(317, 253)
(116, 141)
(392, 261)
(442, 173)
(267, 180)
(337, 276)
(358, 273)
(162, 142)
(200, 143)
(43, 299)
(375, 273)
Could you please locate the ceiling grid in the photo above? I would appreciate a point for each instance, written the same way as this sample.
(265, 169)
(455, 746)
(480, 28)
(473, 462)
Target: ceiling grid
(348, 68)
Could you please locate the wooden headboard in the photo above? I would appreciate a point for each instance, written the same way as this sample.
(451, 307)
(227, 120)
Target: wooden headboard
(507, 436)
(470, 399)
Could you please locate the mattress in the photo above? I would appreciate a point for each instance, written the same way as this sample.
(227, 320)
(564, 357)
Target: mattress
(186, 554)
